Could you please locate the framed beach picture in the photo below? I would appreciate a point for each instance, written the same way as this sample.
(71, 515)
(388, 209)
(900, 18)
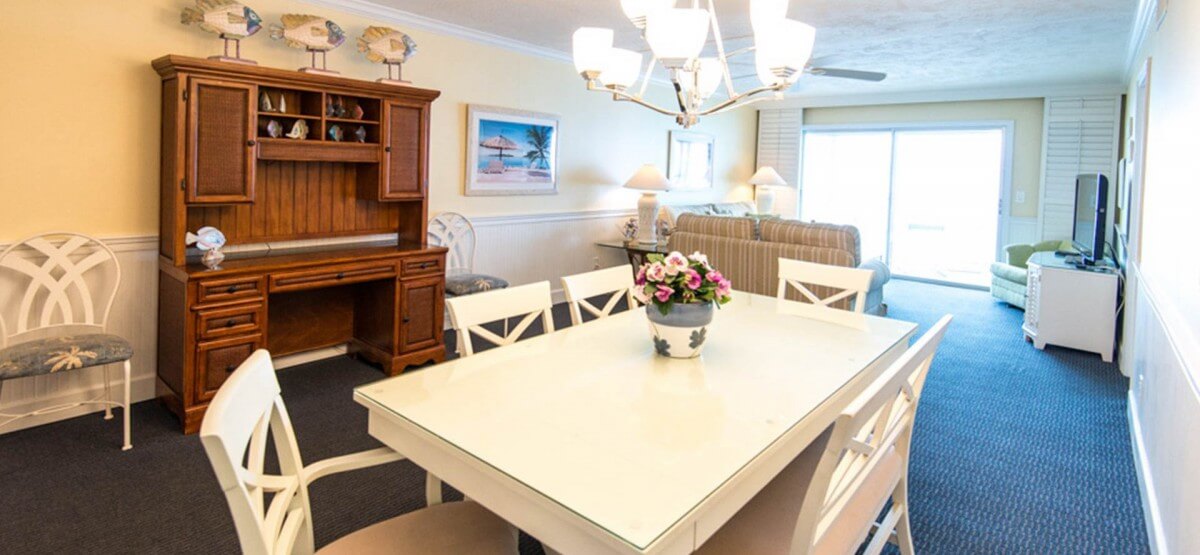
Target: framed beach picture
(690, 160)
(511, 152)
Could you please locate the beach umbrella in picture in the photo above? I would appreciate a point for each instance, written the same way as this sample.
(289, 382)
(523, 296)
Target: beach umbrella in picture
(500, 144)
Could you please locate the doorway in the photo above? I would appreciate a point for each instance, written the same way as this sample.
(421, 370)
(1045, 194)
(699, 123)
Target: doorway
(928, 199)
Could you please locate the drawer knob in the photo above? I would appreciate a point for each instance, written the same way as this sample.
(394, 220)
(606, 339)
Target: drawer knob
(250, 142)
(341, 275)
(424, 265)
(405, 319)
(231, 289)
(230, 323)
(230, 368)
(387, 149)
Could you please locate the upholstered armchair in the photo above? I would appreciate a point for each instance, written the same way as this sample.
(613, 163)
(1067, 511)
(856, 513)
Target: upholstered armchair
(1011, 278)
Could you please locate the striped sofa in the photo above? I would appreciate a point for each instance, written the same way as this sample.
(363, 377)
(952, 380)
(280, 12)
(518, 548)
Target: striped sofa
(750, 257)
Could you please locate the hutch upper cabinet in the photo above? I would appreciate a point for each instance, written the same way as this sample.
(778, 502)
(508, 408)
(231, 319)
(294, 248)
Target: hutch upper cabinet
(220, 141)
(278, 157)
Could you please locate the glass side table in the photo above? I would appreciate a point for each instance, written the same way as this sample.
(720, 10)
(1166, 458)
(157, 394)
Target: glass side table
(634, 250)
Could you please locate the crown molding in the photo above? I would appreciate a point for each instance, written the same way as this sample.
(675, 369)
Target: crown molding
(392, 15)
(945, 95)
(1142, 23)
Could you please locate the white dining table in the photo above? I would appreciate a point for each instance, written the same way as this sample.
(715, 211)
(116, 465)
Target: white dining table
(589, 441)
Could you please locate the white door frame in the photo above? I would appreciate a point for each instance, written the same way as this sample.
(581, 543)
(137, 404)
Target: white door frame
(1006, 161)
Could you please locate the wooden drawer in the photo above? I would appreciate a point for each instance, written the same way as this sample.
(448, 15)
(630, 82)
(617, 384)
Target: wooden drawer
(422, 266)
(332, 275)
(225, 322)
(226, 290)
(216, 360)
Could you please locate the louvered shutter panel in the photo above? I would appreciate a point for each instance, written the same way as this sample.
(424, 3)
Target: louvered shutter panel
(779, 142)
(1081, 136)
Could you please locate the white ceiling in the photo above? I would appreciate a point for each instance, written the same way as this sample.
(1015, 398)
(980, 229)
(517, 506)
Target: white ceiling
(923, 45)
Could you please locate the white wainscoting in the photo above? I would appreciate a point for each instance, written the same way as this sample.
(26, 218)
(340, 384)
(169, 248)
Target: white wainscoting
(521, 249)
(133, 317)
(1164, 416)
(527, 249)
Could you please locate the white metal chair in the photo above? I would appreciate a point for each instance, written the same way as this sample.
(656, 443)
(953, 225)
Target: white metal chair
(455, 232)
(617, 282)
(827, 500)
(846, 282)
(245, 412)
(468, 314)
(56, 296)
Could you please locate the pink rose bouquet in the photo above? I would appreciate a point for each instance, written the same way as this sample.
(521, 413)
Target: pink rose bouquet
(675, 278)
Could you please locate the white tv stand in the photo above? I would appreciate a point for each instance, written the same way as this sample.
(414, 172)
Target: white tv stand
(1071, 307)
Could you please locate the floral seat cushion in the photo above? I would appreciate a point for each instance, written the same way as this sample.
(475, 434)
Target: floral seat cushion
(466, 284)
(62, 354)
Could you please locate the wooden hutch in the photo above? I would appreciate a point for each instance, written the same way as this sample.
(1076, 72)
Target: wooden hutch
(221, 167)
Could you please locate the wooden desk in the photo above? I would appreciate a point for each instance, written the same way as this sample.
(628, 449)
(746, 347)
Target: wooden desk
(385, 302)
(587, 440)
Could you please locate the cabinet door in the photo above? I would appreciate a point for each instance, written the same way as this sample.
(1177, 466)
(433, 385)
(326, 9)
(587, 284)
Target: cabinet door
(405, 139)
(421, 306)
(220, 142)
(216, 360)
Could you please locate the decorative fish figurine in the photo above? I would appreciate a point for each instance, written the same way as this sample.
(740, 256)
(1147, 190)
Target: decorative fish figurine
(206, 238)
(335, 133)
(274, 129)
(358, 112)
(360, 134)
(310, 32)
(227, 18)
(299, 130)
(386, 45)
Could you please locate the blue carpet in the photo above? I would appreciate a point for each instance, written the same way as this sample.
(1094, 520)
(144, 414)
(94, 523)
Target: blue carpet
(1016, 450)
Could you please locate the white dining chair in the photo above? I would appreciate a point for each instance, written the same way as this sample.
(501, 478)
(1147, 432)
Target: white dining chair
(245, 412)
(455, 232)
(616, 282)
(827, 500)
(529, 302)
(56, 297)
(809, 279)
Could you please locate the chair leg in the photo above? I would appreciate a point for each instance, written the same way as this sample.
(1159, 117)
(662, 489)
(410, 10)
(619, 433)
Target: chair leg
(125, 413)
(107, 392)
(903, 529)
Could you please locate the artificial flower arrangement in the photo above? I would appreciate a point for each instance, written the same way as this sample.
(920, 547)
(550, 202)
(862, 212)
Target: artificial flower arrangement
(665, 281)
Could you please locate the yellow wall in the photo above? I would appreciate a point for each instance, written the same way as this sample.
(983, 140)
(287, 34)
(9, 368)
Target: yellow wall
(1027, 141)
(80, 106)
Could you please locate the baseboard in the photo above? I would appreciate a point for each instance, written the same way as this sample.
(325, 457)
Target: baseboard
(1141, 462)
(141, 388)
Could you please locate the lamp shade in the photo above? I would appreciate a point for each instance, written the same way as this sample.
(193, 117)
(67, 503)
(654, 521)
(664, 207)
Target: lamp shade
(767, 175)
(591, 47)
(637, 10)
(677, 35)
(622, 68)
(783, 48)
(648, 178)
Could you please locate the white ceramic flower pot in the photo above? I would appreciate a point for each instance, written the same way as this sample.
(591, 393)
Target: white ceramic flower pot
(681, 332)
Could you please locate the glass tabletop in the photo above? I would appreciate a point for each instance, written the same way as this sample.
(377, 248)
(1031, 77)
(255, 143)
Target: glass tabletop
(660, 248)
(592, 419)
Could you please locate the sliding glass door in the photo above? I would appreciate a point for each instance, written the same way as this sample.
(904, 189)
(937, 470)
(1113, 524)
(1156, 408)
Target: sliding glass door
(927, 200)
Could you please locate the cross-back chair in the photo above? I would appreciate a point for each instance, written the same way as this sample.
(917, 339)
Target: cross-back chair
(616, 282)
(56, 296)
(246, 413)
(809, 279)
(469, 314)
(455, 232)
(827, 500)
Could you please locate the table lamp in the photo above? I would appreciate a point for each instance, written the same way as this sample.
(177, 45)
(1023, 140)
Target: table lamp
(764, 180)
(650, 181)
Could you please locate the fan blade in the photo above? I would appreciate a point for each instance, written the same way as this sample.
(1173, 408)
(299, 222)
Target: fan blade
(848, 73)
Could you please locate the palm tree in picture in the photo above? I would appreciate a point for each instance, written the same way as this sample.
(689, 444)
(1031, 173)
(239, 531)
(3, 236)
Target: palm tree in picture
(540, 139)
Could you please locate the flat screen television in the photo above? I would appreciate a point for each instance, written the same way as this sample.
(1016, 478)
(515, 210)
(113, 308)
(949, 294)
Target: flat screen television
(1091, 216)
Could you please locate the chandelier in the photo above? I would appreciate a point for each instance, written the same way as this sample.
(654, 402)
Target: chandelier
(677, 37)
